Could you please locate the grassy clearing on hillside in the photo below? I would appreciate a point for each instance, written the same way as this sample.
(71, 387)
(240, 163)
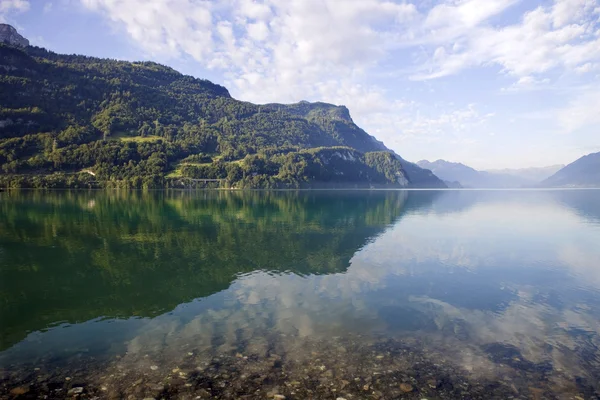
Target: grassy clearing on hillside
(140, 139)
(133, 136)
(176, 172)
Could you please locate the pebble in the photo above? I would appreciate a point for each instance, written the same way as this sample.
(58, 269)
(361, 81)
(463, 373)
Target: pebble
(536, 393)
(405, 387)
(157, 387)
(375, 376)
(19, 390)
(75, 390)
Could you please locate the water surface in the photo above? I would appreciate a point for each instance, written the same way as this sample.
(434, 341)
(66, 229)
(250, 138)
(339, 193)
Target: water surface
(365, 294)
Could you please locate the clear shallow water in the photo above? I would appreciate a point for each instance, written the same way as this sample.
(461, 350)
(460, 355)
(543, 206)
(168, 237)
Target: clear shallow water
(383, 294)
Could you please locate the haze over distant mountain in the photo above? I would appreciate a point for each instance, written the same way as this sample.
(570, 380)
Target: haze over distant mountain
(73, 121)
(471, 178)
(584, 172)
(534, 174)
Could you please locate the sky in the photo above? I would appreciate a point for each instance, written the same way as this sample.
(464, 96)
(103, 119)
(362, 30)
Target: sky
(489, 83)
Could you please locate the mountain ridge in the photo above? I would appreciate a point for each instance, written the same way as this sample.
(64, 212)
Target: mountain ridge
(71, 121)
(583, 172)
(470, 177)
(537, 174)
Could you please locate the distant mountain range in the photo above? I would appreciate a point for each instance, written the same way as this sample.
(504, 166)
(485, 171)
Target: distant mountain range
(584, 172)
(534, 174)
(468, 177)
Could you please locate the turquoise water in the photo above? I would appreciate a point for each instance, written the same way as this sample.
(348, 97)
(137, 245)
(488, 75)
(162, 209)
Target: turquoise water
(364, 294)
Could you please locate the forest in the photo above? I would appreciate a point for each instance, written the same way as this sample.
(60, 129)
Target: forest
(75, 121)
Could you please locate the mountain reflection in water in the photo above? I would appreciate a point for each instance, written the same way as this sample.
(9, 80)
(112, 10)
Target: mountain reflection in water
(379, 294)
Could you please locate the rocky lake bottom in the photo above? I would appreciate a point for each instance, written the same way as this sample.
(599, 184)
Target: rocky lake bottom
(336, 368)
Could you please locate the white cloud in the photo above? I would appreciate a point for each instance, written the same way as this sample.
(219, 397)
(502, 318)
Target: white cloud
(587, 67)
(269, 50)
(449, 20)
(14, 5)
(11, 6)
(564, 35)
(284, 51)
(258, 31)
(168, 27)
(527, 82)
(582, 111)
(412, 121)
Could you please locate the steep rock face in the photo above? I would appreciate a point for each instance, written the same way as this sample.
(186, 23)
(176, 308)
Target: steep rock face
(333, 119)
(9, 35)
(314, 110)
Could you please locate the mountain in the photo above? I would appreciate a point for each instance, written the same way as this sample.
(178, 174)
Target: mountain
(453, 184)
(77, 121)
(472, 178)
(534, 174)
(10, 36)
(585, 172)
(452, 172)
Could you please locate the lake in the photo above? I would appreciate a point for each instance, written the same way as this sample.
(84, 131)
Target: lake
(307, 295)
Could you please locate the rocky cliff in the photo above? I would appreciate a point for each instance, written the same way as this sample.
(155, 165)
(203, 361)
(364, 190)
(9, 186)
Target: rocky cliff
(9, 35)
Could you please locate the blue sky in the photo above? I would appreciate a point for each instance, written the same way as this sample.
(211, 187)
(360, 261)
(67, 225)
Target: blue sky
(490, 83)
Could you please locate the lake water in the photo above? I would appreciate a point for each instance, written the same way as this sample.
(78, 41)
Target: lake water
(307, 295)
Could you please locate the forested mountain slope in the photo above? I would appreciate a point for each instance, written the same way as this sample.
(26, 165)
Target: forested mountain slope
(72, 121)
